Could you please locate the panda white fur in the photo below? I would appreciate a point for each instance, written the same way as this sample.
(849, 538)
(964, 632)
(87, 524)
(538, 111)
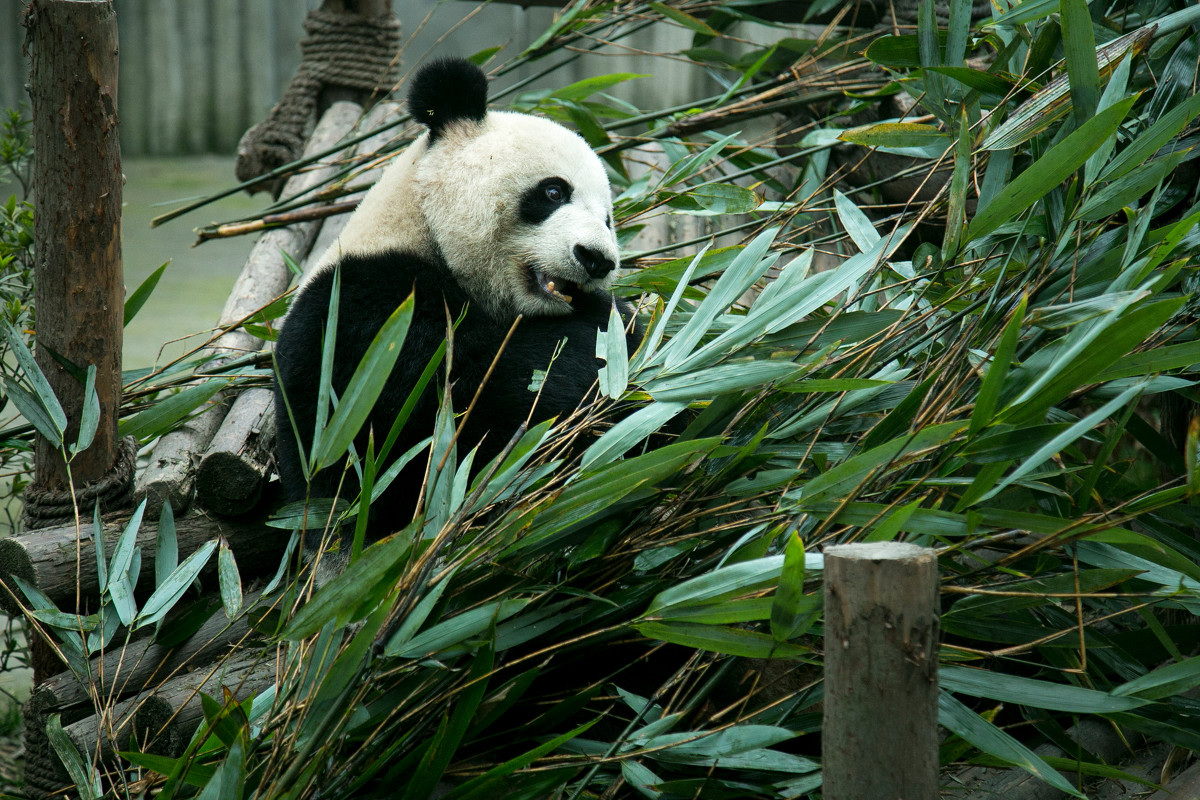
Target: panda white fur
(497, 213)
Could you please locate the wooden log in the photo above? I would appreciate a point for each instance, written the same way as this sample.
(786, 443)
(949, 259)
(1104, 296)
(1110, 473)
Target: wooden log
(47, 557)
(231, 474)
(162, 721)
(881, 638)
(264, 277)
(124, 671)
(143, 662)
(77, 229)
(233, 470)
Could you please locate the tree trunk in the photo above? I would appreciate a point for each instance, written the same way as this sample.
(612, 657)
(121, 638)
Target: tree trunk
(80, 287)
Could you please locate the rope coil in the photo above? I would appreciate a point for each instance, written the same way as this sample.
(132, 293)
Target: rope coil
(45, 508)
(340, 49)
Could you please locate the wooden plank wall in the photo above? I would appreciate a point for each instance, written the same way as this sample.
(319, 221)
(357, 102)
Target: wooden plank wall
(195, 74)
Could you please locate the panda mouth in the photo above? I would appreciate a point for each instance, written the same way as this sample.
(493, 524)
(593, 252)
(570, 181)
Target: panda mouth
(560, 289)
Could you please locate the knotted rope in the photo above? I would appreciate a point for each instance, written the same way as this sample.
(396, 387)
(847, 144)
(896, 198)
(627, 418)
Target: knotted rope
(341, 49)
(45, 508)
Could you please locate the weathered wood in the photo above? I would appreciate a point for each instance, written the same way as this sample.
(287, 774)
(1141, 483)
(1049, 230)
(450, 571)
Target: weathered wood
(163, 721)
(77, 229)
(141, 663)
(264, 277)
(46, 558)
(231, 474)
(171, 473)
(234, 468)
(881, 638)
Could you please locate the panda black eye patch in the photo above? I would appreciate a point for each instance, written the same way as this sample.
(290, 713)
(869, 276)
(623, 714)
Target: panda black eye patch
(539, 202)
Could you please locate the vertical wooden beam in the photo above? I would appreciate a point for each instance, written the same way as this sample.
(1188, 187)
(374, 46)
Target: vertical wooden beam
(879, 738)
(77, 228)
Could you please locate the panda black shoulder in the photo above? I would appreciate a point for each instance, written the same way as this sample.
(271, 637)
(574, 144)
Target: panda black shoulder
(445, 91)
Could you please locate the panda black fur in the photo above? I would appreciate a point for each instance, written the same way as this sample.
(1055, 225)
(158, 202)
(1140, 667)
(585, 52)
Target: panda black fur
(498, 213)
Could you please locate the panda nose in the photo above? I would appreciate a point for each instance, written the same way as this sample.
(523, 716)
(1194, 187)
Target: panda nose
(594, 262)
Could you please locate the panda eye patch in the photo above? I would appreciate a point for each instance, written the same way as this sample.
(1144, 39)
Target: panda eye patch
(540, 201)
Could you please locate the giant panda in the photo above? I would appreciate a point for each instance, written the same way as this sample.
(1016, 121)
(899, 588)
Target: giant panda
(491, 213)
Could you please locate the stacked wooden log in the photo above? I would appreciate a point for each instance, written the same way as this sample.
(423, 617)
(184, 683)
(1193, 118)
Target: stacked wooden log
(145, 695)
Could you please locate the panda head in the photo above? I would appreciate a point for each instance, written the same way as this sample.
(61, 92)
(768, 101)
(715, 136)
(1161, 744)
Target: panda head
(517, 207)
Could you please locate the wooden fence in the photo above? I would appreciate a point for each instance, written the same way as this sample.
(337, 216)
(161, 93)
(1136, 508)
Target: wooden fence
(195, 74)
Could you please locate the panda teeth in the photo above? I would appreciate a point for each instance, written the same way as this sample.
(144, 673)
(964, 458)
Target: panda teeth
(554, 292)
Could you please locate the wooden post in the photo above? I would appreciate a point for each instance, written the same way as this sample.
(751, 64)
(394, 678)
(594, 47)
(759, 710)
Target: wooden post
(80, 287)
(879, 738)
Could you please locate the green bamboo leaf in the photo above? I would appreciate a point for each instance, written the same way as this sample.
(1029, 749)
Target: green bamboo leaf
(741, 577)
(1023, 12)
(703, 746)
(890, 527)
(166, 546)
(456, 630)
(98, 541)
(41, 388)
(612, 348)
(1128, 189)
(900, 51)
(793, 612)
(171, 590)
(708, 383)
(641, 778)
(89, 419)
(230, 580)
(986, 82)
(1051, 169)
(486, 785)
(566, 19)
(120, 582)
(196, 774)
(444, 746)
(724, 612)
(956, 717)
(135, 301)
(1152, 140)
(1079, 47)
(354, 593)
(1114, 91)
(720, 639)
(64, 621)
(686, 20)
(857, 224)
(627, 433)
(32, 410)
(587, 87)
(229, 778)
(1032, 692)
(86, 780)
(896, 134)
(364, 388)
(162, 416)
(695, 163)
(1166, 681)
(845, 476)
(416, 618)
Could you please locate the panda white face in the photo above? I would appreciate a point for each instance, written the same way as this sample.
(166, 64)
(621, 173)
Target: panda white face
(521, 212)
(517, 207)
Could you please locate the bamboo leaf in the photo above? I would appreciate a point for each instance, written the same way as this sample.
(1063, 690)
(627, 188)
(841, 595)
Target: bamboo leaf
(612, 348)
(686, 20)
(230, 580)
(41, 388)
(1079, 46)
(364, 388)
(720, 639)
(171, 590)
(956, 717)
(135, 301)
(1141, 149)
(89, 419)
(162, 416)
(896, 134)
(1032, 692)
(1163, 682)
(860, 228)
(1051, 169)
(86, 780)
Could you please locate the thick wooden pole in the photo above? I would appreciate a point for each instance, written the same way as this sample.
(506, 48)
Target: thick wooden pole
(879, 738)
(77, 228)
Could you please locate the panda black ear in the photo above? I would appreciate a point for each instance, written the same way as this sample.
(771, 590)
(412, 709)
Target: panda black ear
(446, 90)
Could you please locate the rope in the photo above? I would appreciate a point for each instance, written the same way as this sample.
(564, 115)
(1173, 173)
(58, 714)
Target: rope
(340, 49)
(45, 508)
